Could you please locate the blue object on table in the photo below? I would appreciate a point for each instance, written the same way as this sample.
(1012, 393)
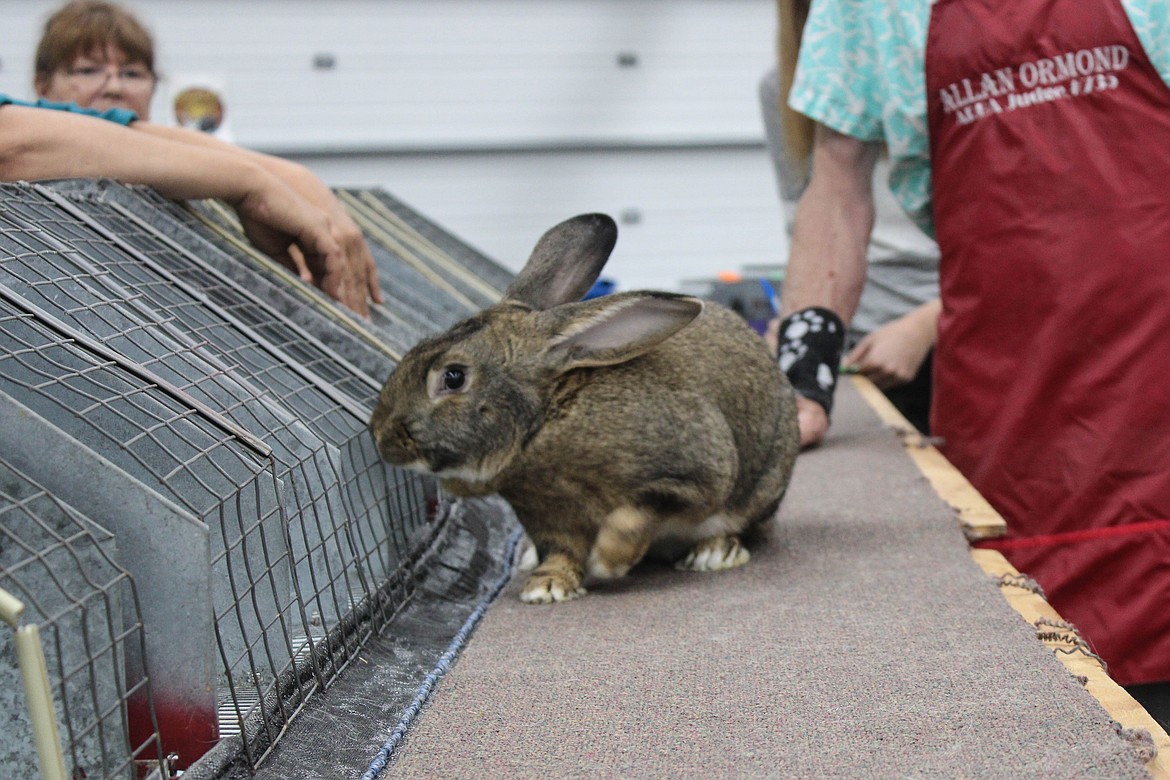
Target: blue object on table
(770, 295)
(600, 287)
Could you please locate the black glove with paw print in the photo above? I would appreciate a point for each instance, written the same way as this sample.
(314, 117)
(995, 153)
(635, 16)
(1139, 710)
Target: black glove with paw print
(811, 342)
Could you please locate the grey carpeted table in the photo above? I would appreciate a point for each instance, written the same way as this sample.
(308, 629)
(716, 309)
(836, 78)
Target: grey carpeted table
(861, 641)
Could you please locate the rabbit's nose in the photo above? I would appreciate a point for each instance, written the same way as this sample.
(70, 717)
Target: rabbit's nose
(393, 441)
(402, 433)
(398, 443)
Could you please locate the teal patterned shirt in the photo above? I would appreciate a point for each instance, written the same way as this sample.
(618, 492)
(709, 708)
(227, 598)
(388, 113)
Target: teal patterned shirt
(862, 72)
(122, 116)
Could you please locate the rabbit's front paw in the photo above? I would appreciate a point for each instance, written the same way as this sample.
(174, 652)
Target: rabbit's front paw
(557, 579)
(720, 552)
(550, 589)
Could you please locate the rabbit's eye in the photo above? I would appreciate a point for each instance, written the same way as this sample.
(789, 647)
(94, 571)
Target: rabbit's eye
(454, 378)
(451, 379)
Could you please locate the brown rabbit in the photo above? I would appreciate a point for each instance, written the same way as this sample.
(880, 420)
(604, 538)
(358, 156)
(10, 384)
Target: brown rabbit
(613, 425)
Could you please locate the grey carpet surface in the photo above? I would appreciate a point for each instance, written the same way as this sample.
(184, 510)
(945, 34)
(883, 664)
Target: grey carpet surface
(860, 641)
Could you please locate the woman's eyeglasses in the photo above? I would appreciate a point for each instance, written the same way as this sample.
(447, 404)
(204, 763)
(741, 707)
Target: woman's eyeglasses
(133, 76)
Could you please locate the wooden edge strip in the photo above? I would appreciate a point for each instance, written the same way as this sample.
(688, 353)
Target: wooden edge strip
(1056, 634)
(425, 247)
(1051, 629)
(360, 213)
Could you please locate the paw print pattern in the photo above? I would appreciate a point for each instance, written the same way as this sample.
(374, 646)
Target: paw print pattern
(808, 321)
(825, 377)
(790, 352)
(794, 347)
(811, 342)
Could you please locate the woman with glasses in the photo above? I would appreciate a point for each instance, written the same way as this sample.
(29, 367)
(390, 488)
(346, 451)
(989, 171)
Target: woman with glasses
(98, 56)
(96, 59)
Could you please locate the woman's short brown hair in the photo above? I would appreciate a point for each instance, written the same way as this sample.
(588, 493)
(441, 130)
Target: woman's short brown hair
(84, 26)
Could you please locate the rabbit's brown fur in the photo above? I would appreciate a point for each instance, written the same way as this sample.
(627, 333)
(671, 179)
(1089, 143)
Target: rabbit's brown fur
(613, 426)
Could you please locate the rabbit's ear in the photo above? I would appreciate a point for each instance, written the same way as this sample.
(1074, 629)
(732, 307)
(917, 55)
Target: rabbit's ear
(616, 328)
(566, 262)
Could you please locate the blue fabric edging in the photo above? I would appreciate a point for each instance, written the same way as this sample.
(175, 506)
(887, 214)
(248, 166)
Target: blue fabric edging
(445, 660)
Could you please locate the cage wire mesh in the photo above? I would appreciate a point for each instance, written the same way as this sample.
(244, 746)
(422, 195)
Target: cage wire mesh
(64, 568)
(147, 332)
(177, 264)
(222, 251)
(397, 327)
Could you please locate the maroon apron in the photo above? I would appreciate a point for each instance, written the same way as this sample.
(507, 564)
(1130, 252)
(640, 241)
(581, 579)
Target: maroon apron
(1050, 150)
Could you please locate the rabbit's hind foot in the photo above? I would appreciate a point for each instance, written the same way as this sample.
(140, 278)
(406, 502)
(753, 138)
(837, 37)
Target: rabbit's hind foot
(715, 554)
(621, 542)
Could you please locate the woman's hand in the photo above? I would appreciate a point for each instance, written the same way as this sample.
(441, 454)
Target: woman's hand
(363, 274)
(270, 219)
(300, 236)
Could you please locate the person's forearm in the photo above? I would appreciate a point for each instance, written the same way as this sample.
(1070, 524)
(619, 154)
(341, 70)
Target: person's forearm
(834, 218)
(294, 174)
(38, 144)
(925, 317)
(300, 180)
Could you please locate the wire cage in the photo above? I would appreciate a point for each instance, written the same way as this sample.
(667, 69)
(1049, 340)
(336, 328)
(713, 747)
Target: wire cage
(65, 571)
(145, 344)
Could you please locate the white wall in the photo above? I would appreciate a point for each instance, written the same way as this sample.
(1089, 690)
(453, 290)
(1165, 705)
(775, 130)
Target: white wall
(497, 118)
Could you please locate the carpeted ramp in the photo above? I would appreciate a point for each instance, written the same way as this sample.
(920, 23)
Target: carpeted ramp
(861, 641)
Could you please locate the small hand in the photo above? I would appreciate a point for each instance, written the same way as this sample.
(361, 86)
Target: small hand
(893, 354)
